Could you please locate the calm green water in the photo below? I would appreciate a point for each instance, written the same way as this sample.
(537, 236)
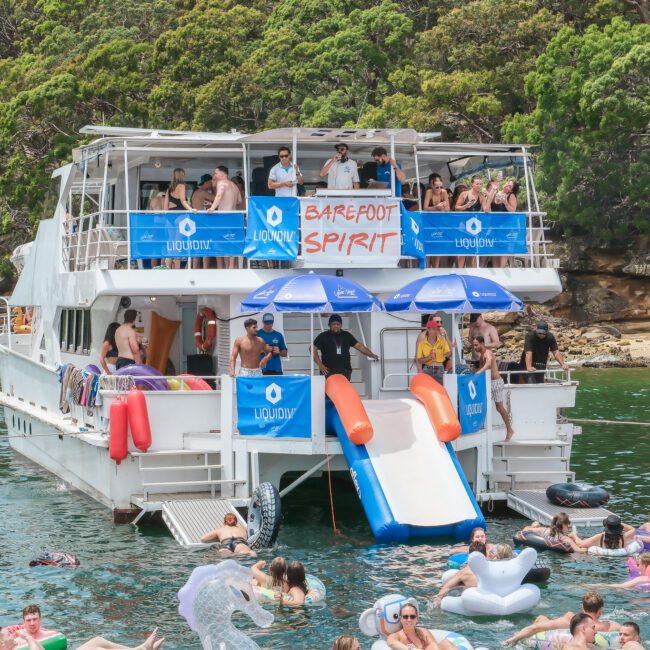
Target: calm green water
(129, 576)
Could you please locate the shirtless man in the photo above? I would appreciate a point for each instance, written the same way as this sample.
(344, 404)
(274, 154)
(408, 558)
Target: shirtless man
(592, 606)
(463, 577)
(231, 536)
(583, 633)
(250, 349)
(488, 362)
(226, 199)
(630, 636)
(128, 341)
(478, 327)
(21, 638)
(201, 200)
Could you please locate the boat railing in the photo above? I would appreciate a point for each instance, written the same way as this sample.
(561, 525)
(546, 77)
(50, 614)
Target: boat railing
(103, 240)
(173, 383)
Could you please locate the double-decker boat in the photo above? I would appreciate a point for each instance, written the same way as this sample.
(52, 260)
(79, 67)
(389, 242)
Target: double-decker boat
(91, 261)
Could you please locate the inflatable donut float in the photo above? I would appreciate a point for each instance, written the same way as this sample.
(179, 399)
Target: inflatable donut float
(577, 495)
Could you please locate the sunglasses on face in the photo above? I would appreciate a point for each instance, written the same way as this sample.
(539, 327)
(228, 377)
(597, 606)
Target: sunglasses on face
(409, 616)
(284, 155)
(438, 322)
(342, 150)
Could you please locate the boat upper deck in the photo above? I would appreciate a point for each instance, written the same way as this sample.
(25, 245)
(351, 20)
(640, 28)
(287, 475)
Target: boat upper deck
(406, 208)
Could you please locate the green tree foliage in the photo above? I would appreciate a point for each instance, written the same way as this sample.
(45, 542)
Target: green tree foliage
(455, 65)
(592, 95)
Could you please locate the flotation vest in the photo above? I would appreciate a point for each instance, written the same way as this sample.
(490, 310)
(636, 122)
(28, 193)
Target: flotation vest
(205, 314)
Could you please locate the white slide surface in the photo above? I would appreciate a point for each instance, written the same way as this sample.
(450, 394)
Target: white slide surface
(414, 469)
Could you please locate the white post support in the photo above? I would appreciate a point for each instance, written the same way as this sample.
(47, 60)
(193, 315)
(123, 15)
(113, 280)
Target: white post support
(417, 176)
(227, 430)
(487, 443)
(6, 302)
(528, 208)
(311, 345)
(317, 387)
(81, 213)
(255, 470)
(102, 204)
(127, 205)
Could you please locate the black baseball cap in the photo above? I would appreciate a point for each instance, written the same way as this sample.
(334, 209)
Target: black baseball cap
(335, 318)
(341, 144)
(205, 178)
(542, 327)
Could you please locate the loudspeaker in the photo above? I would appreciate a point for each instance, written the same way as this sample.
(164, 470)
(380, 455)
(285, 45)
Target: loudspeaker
(201, 365)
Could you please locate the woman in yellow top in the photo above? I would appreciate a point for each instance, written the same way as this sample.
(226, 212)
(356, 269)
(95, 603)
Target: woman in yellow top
(433, 350)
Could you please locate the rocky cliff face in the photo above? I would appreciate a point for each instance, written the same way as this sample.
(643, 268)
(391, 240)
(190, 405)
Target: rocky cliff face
(605, 285)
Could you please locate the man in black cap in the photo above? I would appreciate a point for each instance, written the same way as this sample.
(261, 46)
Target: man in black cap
(342, 173)
(334, 347)
(537, 345)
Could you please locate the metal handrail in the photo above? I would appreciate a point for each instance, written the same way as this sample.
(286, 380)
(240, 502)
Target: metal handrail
(75, 232)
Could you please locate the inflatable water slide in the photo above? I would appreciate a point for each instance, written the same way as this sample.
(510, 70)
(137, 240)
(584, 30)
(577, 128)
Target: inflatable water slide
(402, 463)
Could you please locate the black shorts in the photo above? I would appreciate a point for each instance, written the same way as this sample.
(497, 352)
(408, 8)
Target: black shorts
(123, 362)
(272, 372)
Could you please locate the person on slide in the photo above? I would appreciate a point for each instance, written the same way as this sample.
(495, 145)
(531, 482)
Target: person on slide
(592, 605)
(412, 636)
(477, 535)
(232, 537)
(559, 529)
(276, 578)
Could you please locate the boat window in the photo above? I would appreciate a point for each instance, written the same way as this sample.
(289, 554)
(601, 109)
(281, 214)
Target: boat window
(75, 332)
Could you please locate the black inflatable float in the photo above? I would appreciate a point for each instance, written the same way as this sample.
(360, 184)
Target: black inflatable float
(577, 495)
(55, 558)
(264, 516)
(541, 542)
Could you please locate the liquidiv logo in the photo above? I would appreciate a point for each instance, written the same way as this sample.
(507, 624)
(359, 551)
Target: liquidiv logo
(273, 413)
(474, 227)
(273, 217)
(187, 228)
(473, 408)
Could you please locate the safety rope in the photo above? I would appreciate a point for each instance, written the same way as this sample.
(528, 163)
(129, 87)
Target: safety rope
(329, 481)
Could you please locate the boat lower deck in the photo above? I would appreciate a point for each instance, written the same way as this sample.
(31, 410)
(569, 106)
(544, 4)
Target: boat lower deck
(535, 505)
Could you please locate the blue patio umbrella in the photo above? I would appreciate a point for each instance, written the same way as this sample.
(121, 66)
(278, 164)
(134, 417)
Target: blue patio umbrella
(311, 293)
(454, 294)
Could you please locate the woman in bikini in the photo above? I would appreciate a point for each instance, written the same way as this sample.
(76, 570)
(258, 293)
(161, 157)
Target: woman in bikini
(412, 636)
(176, 199)
(559, 529)
(436, 199)
(276, 578)
(108, 353)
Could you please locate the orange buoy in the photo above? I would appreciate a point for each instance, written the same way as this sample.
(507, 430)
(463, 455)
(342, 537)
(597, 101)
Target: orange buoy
(117, 444)
(139, 419)
(205, 314)
(438, 406)
(350, 409)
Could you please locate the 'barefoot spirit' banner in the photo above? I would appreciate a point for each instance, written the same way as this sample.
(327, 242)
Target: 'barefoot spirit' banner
(473, 233)
(276, 406)
(186, 234)
(338, 231)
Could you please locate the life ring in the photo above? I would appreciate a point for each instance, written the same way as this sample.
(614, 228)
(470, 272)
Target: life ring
(264, 515)
(634, 547)
(316, 592)
(556, 639)
(205, 314)
(577, 495)
(55, 558)
(49, 640)
(541, 542)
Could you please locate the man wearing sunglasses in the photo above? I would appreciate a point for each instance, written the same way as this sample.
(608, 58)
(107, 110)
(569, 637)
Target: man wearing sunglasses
(285, 177)
(385, 165)
(341, 172)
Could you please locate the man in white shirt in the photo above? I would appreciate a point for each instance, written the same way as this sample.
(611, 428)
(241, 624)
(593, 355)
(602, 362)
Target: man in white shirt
(285, 177)
(341, 172)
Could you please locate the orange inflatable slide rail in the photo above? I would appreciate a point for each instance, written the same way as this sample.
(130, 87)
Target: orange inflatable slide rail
(350, 409)
(438, 406)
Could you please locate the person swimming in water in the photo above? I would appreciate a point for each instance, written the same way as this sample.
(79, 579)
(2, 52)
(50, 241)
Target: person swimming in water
(640, 581)
(478, 535)
(297, 585)
(462, 578)
(558, 530)
(412, 636)
(231, 536)
(276, 578)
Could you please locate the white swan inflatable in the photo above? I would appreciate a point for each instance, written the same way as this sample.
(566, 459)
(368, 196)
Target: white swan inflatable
(383, 619)
(210, 596)
(499, 591)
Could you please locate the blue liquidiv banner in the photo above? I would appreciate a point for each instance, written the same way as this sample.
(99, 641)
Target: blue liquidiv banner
(186, 234)
(412, 245)
(272, 231)
(472, 402)
(278, 406)
(473, 233)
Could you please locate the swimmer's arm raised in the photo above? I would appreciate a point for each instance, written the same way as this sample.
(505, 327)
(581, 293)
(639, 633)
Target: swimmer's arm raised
(542, 624)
